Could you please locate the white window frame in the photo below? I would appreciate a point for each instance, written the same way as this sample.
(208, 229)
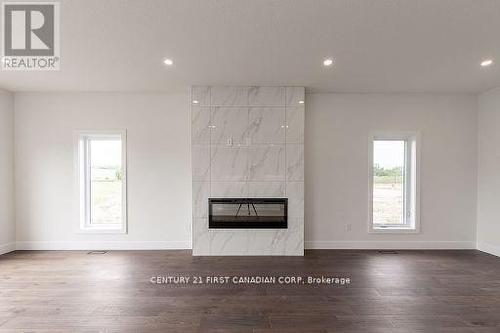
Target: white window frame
(82, 167)
(412, 177)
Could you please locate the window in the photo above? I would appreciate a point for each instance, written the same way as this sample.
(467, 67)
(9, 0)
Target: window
(394, 204)
(102, 181)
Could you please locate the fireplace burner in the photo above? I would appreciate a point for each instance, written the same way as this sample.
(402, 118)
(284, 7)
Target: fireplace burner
(248, 213)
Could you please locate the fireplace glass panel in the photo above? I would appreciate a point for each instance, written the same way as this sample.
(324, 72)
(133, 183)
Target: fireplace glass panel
(248, 213)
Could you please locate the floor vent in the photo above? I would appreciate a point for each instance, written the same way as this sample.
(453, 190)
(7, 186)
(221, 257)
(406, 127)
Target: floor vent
(388, 252)
(97, 252)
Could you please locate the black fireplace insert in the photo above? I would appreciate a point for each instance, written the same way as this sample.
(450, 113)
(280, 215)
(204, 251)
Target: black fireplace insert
(248, 213)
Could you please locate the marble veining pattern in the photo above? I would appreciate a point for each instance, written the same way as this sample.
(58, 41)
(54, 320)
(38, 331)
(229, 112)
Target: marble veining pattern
(248, 142)
(267, 125)
(266, 189)
(201, 193)
(266, 163)
(295, 117)
(229, 163)
(200, 160)
(229, 190)
(200, 125)
(229, 124)
(295, 195)
(294, 96)
(266, 96)
(229, 96)
(200, 96)
(295, 162)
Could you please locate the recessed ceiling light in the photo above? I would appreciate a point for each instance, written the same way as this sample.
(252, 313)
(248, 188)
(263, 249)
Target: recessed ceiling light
(486, 62)
(328, 62)
(301, 102)
(195, 102)
(168, 62)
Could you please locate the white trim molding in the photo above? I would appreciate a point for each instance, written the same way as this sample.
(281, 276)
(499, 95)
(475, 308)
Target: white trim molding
(391, 245)
(103, 245)
(6, 248)
(311, 245)
(489, 248)
(411, 211)
(82, 139)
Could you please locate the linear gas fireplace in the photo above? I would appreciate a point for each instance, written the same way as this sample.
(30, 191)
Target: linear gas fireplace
(247, 213)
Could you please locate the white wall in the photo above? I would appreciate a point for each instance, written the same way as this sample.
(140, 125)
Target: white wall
(488, 220)
(159, 193)
(7, 225)
(336, 167)
(159, 171)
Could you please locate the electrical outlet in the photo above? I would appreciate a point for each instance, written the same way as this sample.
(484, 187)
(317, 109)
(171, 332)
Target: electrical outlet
(348, 227)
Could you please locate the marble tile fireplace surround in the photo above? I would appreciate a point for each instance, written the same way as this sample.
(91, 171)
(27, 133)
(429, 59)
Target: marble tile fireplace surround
(248, 142)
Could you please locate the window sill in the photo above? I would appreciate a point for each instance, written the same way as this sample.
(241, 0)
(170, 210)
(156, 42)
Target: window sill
(102, 230)
(393, 230)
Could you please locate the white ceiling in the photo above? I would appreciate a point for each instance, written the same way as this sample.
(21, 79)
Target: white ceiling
(379, 45)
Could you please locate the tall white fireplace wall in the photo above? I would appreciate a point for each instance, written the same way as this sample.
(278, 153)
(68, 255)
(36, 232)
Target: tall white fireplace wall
(248, 142)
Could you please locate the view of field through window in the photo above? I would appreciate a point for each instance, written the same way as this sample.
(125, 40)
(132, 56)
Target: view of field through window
(106, 181)
(388, 189)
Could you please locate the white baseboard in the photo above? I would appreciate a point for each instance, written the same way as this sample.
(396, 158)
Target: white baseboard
(391, 245)
(179, 245)
(489, 248)
(6, 248)
(127, 245)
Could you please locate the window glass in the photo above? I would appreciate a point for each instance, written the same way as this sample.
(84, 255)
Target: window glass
(389, 182)
(105, 181)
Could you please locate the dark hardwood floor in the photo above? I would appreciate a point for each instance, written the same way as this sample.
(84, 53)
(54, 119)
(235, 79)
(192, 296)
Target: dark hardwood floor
(409, 291)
